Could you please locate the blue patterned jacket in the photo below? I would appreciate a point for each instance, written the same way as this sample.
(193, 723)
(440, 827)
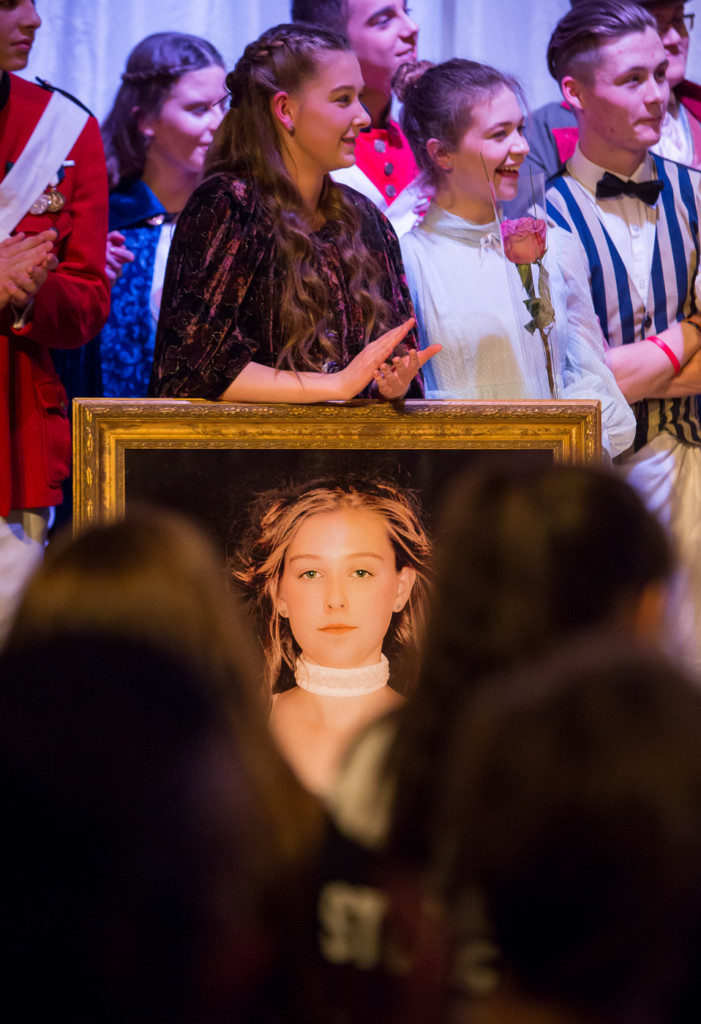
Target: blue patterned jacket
(117, 363)
(126, 341)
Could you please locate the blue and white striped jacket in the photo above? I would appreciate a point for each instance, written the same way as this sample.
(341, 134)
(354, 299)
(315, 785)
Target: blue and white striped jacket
(624, 314)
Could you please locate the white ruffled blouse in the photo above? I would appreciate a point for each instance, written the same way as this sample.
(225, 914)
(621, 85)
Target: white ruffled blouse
(462, 290)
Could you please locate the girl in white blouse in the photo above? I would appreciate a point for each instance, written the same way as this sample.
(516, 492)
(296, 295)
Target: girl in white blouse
(464, 121)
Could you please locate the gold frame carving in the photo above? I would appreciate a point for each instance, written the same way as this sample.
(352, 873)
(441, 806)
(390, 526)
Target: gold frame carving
(104, 429)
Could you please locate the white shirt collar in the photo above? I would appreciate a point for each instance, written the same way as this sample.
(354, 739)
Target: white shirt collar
(589, 174)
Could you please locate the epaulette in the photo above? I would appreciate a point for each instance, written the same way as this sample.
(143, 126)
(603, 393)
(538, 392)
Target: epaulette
(54, 88)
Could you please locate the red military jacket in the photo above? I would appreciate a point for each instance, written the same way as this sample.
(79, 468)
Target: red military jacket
(69, 309)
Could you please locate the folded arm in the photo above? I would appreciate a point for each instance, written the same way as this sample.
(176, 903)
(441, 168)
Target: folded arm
(585, 373)
(644, 370)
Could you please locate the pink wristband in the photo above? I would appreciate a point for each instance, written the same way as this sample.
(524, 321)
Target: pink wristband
(667, 351)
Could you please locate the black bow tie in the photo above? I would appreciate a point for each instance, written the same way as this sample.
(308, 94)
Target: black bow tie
(610, 186)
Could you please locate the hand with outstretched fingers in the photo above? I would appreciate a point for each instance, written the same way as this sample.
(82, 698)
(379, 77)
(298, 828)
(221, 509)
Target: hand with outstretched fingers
(393, 379)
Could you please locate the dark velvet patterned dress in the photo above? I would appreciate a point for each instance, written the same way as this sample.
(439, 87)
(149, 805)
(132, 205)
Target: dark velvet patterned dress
(220, 307)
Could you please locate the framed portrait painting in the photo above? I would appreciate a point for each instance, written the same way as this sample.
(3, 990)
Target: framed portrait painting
(210, 460)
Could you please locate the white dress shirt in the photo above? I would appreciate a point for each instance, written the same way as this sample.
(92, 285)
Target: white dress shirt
(630, 222)
(159, 269)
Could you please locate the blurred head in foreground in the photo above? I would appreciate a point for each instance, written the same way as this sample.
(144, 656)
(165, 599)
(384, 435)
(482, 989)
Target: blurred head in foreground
(152, 575)
(155, 577)
(568, 846)
(527, 557)
(131, 875)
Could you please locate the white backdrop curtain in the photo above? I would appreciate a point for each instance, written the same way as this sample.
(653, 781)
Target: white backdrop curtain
(83, 44)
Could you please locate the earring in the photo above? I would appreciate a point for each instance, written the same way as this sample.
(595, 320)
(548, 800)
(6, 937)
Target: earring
(397, 606)
(291, 128)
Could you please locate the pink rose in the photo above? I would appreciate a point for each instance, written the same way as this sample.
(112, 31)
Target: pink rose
(524, 239)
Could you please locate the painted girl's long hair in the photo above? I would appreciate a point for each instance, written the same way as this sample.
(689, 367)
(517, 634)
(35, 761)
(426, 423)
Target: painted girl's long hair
(276, 516)
(248, 145)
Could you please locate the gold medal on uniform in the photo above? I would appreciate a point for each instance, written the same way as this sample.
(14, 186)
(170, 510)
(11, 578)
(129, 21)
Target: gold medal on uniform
(50, 201)
(55, 200)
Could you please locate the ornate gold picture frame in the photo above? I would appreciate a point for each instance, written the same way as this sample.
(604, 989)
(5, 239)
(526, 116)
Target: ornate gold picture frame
(155, 449)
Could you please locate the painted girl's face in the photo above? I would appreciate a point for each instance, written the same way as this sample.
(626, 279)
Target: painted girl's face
(340, 587)
(494, 141)
(18, 23)
(183, 129)
(327, 115)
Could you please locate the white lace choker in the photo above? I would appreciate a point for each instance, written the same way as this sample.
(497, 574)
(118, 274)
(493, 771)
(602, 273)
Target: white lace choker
(341, 682)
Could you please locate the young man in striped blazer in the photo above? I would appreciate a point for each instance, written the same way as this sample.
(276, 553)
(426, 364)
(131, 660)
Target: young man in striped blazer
(552, 132)
(637, 217)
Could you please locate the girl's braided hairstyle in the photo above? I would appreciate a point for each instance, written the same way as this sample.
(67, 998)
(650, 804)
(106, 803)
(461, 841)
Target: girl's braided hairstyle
(248, 145)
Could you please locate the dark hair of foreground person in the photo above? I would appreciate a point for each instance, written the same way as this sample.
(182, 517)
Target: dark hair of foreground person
(567, 847)
(526, 558)
(135, 868)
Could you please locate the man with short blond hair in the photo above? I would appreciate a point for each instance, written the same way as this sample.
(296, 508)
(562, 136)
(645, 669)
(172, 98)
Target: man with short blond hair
(636, 217)
(552, 129)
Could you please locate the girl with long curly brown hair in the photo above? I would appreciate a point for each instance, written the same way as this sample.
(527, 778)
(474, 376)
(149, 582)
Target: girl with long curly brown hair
(282, 286)
(335, 576)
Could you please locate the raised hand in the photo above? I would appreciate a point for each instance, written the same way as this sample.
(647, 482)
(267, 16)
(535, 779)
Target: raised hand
(368, 363)
(393, 379)
(116, 256)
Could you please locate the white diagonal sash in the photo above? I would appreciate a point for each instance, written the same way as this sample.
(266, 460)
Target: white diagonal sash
(56, 133)
(402, 213)
(357, 179)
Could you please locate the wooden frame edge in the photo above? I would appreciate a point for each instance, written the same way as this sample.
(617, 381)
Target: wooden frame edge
(104, 429)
